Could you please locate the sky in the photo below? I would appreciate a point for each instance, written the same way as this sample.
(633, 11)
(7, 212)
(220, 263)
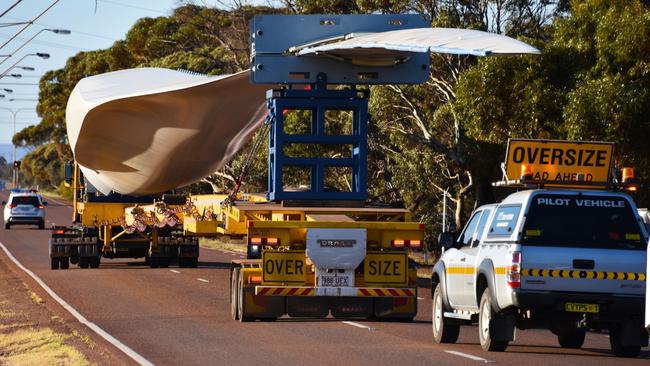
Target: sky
(94, 24)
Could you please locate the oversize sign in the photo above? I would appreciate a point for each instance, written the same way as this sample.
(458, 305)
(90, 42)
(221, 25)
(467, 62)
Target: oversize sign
(561, 161)
(385, 268)
(284, 267)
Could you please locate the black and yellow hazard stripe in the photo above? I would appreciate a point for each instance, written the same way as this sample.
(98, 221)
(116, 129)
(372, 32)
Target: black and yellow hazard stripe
(592, 275)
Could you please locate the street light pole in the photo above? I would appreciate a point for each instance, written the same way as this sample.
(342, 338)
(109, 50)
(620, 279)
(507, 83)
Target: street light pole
(39, 54)
(56, 31)
(14, 113)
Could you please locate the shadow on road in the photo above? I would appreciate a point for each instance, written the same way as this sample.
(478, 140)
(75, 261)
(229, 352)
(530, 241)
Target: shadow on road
(589, 352)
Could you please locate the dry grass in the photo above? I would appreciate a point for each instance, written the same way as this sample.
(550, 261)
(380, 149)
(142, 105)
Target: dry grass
(35, 298)
(231, 245)
(40, 346)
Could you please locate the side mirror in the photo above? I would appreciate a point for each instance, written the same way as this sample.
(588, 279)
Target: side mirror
(446, 240)
(68, 174)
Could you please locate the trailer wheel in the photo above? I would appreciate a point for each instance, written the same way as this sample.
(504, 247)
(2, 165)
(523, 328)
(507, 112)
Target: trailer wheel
(65, 263)
(94, 262)
(240, 299)
(55, 263)
(154, 261)
(234, 294)
(486, 319)
(83, 262)
(443, 331)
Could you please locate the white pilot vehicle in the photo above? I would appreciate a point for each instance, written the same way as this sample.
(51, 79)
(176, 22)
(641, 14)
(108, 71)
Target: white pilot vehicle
(564, 259)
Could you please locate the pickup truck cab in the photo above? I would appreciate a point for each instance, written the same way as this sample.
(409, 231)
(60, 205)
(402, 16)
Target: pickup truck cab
(565, 260)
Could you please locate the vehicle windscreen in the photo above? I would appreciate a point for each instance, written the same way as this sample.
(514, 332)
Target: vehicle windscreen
(582, 221)
(25, 200)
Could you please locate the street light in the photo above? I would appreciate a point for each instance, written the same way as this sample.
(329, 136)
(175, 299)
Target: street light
(26, 68)
(14, 113)
(55, 31)
(39, 54)
(8, 90)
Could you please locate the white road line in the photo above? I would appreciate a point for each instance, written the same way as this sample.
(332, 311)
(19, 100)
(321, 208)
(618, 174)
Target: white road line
(420, 298)
(94, 327)
(358, 325)
(471, 357)
(175, 271)
(202, 280)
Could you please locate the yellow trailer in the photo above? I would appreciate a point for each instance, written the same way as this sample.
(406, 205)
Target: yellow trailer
(316, 261)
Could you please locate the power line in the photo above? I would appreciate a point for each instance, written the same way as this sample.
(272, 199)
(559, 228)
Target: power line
(49, 44)
(30, 23)
(74, 31)
(131, 6)
(9, 9)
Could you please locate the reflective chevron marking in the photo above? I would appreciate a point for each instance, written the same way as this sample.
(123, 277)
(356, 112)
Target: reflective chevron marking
(591, 275)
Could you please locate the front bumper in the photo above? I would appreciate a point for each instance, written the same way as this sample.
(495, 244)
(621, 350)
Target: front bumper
(610, 306)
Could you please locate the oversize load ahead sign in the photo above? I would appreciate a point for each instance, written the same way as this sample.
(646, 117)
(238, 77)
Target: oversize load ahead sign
(556, 160)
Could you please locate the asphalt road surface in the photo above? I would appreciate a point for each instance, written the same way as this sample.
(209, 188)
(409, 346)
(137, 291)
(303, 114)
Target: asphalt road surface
(175, 316)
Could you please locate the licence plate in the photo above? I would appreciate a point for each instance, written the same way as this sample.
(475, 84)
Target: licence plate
(334, 281)
(574, 307)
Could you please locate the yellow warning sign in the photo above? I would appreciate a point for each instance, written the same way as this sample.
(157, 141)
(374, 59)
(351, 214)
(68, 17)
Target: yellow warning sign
(559, 161)
(285, 267)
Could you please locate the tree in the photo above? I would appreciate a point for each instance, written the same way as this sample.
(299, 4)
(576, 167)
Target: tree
(590, 83)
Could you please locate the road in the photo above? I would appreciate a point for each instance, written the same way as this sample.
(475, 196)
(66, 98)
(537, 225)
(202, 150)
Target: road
(182, 316)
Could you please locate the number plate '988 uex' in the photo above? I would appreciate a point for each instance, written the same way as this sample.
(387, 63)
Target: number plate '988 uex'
(336, 243)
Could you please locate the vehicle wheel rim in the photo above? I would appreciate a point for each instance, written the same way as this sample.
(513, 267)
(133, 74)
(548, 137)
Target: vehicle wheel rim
(437, 314)
(485, 320)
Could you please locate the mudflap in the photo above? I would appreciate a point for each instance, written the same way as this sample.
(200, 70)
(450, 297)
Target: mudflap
(261, 307)
(396, 308)
(307, 307)
(351, 307)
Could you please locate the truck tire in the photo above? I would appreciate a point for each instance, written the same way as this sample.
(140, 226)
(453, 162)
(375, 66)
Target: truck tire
(83, 262)
(8, 226)
(443, 331)
(55, 263)
(571, 338)
(234, 294)
(65, 263)
(486, 317)
(240, 299)
(616, 343)
(94, 262)
(41, 225)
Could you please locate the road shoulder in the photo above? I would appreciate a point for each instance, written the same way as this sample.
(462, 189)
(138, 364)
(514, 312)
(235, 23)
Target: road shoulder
(34, 329)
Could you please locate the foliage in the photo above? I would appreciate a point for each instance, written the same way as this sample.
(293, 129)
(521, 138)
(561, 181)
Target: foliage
(444, 138)
(5, 169)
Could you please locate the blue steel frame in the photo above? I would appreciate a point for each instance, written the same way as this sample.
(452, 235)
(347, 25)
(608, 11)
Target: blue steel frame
(318, 99)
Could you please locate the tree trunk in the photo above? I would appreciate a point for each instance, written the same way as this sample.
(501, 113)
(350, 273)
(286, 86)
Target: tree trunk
(458, 214)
